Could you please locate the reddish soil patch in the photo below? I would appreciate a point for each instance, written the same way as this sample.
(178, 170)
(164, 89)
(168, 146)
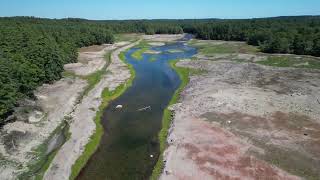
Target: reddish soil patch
(290, 141)
(220, 154)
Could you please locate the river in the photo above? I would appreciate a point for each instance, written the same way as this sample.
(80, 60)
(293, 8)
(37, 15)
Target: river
(129, 147)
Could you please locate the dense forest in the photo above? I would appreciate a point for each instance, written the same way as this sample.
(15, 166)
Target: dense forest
(296, 35)
(33, 50)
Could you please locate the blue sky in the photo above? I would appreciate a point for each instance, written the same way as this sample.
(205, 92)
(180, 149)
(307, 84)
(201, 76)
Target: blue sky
(158, 9)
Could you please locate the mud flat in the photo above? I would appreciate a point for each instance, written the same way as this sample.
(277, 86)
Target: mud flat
(242, 120)
(82, 125)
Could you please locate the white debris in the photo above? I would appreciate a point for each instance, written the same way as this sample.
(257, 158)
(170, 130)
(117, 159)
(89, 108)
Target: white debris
(119, 107)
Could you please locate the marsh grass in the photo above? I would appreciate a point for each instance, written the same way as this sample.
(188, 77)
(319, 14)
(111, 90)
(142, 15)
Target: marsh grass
(291, 61)
(143, 46)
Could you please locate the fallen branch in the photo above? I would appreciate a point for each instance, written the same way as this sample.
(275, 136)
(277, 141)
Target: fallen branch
(318, 101)
(145, 108)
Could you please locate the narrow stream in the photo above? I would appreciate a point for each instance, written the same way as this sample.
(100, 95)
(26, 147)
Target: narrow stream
(129, 147)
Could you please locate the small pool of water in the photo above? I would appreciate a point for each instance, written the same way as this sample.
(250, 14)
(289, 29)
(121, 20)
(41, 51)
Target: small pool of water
(129, 147)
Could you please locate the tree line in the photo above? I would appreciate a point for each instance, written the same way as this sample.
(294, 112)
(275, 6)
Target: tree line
(296, 35)
(34, 50)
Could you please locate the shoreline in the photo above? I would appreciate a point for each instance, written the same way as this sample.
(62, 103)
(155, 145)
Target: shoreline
(167, 118)
(82, 131)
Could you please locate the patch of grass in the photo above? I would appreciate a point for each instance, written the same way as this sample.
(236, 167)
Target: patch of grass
(153, 59)
(217, 49)
(127, 37)
(70, 74)
(184, 74)
(138, 54)
(93, 144)
(291, 61)
(211, 48)
(143, 47)
(143, 44)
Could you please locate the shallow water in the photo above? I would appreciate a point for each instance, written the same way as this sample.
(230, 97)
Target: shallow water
(131, 136)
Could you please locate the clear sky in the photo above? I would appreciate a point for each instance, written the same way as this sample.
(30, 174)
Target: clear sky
(158, 9)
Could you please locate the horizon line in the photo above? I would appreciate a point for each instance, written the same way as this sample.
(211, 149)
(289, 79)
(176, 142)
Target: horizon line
(138, 19)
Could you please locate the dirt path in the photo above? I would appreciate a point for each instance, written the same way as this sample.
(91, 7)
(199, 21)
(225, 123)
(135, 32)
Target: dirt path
(245, 121)
(83, 126)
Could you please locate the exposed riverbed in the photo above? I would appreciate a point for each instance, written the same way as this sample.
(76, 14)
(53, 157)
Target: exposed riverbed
(129, 147)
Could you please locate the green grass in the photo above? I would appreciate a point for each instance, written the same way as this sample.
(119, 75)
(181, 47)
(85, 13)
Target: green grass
(143, 47)
(138, 54)
(210, 48)
(93, 144)
(184, 74)
(127, 37)
(70, 74)
(152, 58)
(143, 44)
(291, 61)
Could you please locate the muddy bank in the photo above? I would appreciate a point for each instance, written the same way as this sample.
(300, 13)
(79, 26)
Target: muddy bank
(247, 121)
(82, 124)
(36, 122)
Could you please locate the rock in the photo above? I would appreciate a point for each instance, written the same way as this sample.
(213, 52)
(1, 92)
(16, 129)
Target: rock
(119, 107)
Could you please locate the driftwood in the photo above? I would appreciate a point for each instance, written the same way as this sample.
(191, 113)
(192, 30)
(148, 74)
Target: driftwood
(145, 108)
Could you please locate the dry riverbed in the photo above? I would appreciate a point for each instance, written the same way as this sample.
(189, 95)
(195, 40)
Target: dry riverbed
(242, 119)
(27, 141)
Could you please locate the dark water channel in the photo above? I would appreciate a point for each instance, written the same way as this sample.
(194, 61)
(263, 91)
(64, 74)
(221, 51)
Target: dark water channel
(131, 136)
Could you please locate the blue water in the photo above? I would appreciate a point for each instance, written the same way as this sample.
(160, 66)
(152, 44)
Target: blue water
(131, 136)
